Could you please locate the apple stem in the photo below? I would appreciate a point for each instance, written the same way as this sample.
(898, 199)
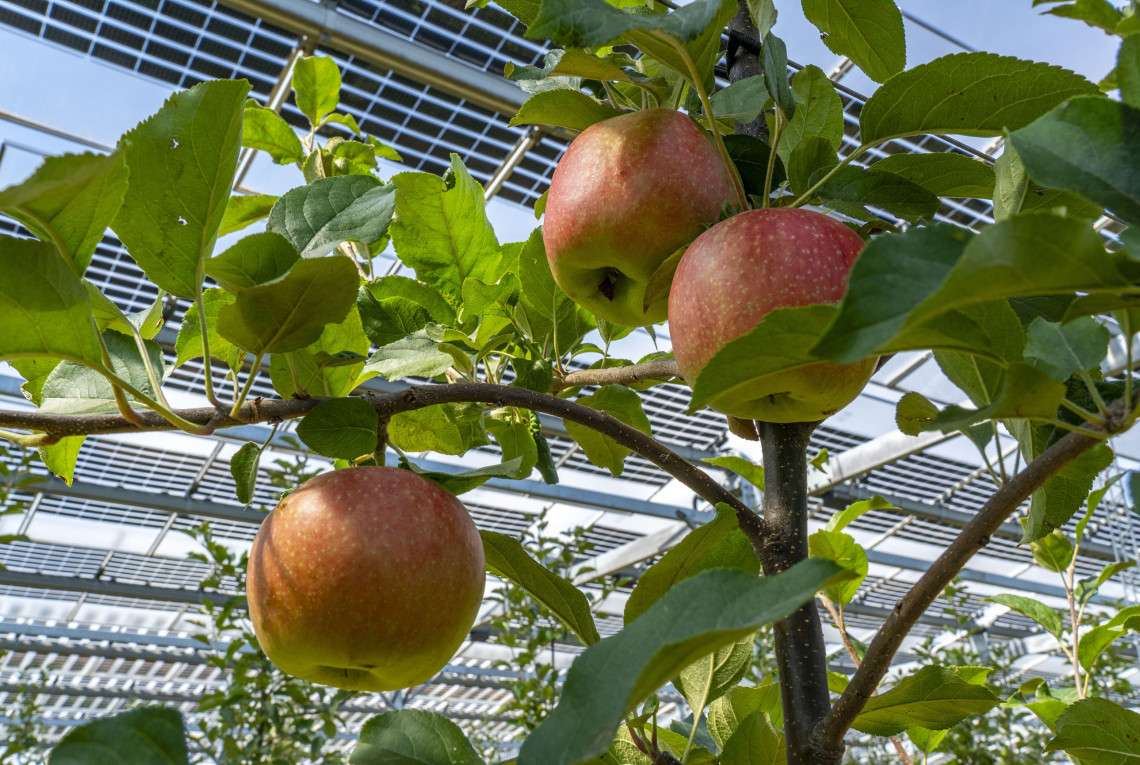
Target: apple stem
(234, 413)
(778, 125)
(802, 199)
(702, 92)
(209, 377)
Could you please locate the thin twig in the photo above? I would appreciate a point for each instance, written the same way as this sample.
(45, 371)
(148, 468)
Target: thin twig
(836, 613)
(634, 373)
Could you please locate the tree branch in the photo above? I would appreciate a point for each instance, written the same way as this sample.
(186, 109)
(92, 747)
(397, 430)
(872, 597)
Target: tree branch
(634, 373)
(415, 397)
(975, 536)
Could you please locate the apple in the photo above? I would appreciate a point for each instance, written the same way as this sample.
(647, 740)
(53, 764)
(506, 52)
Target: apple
(366, 578)
(629, 192)
(738, 271)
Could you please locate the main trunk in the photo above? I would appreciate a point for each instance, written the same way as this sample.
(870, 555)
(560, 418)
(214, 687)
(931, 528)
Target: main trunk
(801, 656)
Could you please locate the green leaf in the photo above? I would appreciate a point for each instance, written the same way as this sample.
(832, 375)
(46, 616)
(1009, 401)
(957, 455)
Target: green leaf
(810, 159)
(416, 355)
(243, 468)
(61, 456)
(292, 312)
(425, 296)
(750, 155)
(466, 480)
(718, 544)
(447, 429)
(780, 342)
(1010, 184)
(188, 344)
(507, 559)
(1023, 393)
(1061, 350)
(1029, 254)
(593, 23)
(548, 311)
(315, 218)
(839, 521)
(742, 100)
(144, 736)
(182, 163)
(1087, 588)
(754, 742)
(763, 14)
(698, 616)
(1096, 13)
(69, 201)
(254, 260)
(561, 107)
(483, 299)
(511, 431)
(853, 187)
(1053, 552)
(914, 413)
(391, 319)
(967, 94)
(600, 449)
(727, 713)
(244, 210)
(73, 388)
(332, 366)
(819, 113)
(316, 86)
(340, 427)
(943, 174)
(268, 131)
(869, 32)
(891, 277)
(34, 370)
(1128, 71)
(1044, 615)
(747, 469)
(44, 307)
(934, 697)
(444, 233)
(1098, 732)
(842, 550)
(413, 737)
(1055, 502)
(712, 676)
(1079, 146)
(774, 63)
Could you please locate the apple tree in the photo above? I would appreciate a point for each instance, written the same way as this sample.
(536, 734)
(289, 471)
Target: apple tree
(1017, 315)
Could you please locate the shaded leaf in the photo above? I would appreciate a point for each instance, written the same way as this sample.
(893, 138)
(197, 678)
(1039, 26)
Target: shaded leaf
(254, 260)
(340, 427)
(413, 737)
(144, 736)
(507, 558)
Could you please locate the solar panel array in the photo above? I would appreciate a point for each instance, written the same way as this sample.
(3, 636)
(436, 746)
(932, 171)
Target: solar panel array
(95, 609)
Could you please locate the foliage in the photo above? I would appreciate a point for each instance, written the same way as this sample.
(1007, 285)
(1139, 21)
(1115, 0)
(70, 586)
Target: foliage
(1018, 316)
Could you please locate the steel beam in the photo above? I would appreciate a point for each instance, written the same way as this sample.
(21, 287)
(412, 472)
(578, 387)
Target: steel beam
(221, 511)
(386, 50)
(862, 459)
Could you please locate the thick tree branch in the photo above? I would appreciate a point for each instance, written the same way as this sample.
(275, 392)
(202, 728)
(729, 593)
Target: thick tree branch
(416, 397)
(801, 655)
(634, 373)
(975, 536)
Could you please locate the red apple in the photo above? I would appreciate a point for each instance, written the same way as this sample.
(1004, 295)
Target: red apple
(738, 271)
(366, 578)
(628, 193)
